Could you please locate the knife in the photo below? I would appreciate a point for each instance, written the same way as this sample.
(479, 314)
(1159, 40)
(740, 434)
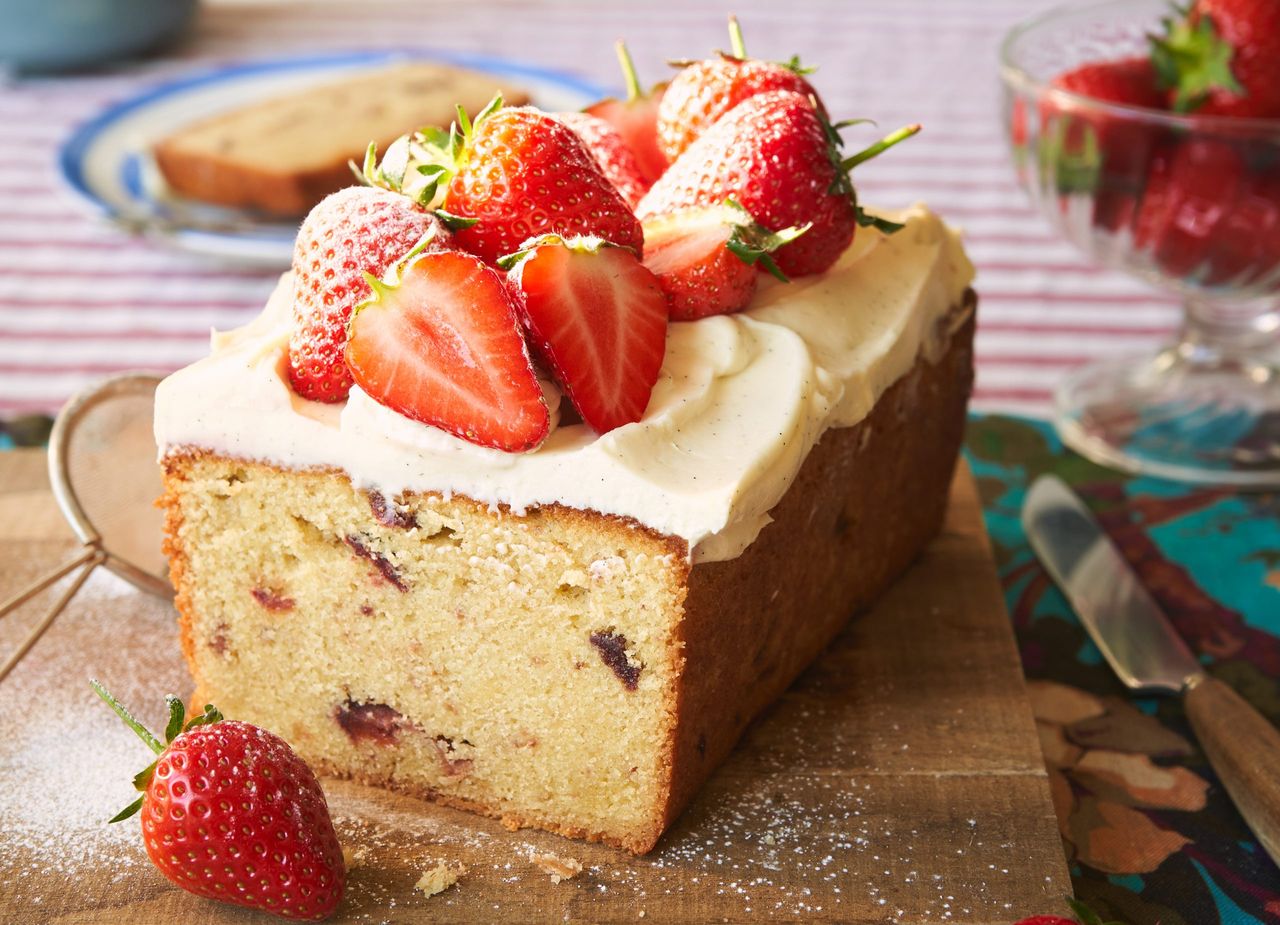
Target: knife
(1146, 652)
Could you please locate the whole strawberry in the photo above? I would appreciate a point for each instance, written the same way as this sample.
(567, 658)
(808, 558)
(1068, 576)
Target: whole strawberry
(352, 232)
(777, 156)
(229, 812)
(1222, 58)
(1192, 189)
(612, 154)
(1112, 153)
(636, 119)
(513, 174)
(1083, 916)
(705, 90)
(1129, 81)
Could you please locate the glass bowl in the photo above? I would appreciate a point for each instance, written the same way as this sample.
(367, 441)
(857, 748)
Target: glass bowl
(1190, 204)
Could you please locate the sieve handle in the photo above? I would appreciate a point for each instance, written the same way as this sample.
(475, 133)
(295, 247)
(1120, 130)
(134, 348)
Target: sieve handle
(87, 562)
(44, 581)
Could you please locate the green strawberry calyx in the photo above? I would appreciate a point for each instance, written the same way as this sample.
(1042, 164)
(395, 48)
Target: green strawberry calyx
(752, 243)
(1086, 915)
(739, 50)
(1192, 60)
(421, 164)
(842, 183)
(578, 243)
(177, 725)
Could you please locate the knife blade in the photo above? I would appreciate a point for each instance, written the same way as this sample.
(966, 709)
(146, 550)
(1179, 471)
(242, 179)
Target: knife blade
(1134, 635)
(1141, 645)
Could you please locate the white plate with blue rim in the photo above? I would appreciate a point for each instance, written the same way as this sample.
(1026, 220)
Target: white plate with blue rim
(107, 161)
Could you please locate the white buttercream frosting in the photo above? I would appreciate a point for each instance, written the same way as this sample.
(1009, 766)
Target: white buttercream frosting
(740, 402)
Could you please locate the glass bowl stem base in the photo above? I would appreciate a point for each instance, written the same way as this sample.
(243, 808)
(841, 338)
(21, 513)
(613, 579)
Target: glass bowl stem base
(1205, 409)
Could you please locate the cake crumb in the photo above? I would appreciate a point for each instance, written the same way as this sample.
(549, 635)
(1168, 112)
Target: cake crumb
(352, 858)
(439, 878)
(559, 868)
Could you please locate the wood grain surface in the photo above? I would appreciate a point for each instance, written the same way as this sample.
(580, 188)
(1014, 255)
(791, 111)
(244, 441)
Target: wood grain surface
(900, 780)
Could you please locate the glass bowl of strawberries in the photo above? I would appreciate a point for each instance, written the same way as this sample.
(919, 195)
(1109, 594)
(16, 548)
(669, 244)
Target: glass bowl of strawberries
(1149, 137)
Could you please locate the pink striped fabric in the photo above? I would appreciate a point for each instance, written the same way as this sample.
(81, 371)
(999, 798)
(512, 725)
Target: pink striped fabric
(80, 299)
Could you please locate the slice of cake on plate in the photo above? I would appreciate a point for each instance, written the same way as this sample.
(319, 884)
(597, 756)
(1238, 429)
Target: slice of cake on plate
(540, 553)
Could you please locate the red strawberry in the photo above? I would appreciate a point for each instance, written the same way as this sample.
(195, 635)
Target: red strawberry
(1084, 916)
(611, 152)
(439, 343)
(636, 119)
(517, 173)
(777, 156)
(704, 91)
(1112, 152)
(1190, 190)
(598, 319)
(1246, 243)
(705, 258)
(1223, 58)
(352, 232)
(229, 812)
(1131, 82)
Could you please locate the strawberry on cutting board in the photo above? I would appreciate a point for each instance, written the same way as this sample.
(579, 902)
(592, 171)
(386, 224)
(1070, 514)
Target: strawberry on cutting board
(777, 156)
(439, 342)
(350, 233)
(229, 812)
(706, 258)
(636, 119)
(703, 91)
(597, 318)
(1222, 58)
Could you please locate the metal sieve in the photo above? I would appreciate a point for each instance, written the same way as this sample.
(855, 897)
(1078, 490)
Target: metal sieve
(102, 468)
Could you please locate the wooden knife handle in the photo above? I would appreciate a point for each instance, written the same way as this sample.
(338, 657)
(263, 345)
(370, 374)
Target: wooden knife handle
(1245, 751)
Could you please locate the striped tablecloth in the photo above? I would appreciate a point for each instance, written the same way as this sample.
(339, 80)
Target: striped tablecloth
(80, 299)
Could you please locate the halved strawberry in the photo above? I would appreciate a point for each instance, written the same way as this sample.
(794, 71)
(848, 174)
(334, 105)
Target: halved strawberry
(597, 318)
(705, 257)
(350, 233)
(636, 118)
(439, 343)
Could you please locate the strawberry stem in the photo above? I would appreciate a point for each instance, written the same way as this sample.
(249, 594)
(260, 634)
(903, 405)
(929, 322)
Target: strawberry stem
(628, 72)
(142, 732)
(735, 38)
(879, 147)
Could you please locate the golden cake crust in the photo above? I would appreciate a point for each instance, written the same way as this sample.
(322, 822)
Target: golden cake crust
(865, 501)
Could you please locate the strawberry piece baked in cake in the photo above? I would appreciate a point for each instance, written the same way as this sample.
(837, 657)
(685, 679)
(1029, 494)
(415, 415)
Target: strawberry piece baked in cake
(533, 517)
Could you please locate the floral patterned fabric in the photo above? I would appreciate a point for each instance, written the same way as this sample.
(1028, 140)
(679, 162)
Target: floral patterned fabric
(1150, 834)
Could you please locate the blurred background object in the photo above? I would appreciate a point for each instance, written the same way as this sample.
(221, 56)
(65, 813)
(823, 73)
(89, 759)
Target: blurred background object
(63, 35)
(1189, 203)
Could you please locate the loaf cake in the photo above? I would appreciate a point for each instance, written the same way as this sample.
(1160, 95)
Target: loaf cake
(529, 488)
(572, 638)
(285, 154)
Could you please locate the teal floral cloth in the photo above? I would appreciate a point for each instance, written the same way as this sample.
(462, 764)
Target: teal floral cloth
(1151, 835)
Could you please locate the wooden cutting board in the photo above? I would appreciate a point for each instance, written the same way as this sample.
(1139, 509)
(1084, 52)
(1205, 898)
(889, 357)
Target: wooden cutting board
(900, 780)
